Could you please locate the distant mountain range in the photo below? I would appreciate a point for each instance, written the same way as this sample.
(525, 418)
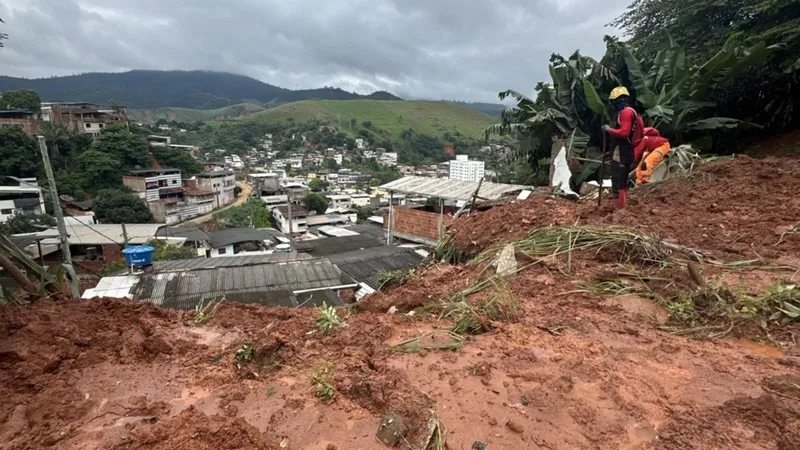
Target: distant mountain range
(146, 89)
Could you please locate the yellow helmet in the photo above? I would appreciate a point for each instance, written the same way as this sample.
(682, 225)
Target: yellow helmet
(619, 92)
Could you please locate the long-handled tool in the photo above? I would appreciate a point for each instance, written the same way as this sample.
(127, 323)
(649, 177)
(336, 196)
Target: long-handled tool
(600, 174)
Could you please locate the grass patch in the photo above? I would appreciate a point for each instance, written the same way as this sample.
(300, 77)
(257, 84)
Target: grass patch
(322, 381)
(271, 391)
(714, 312)
(390, 278)
(244, 354)
(432, 341)
(562, 241)
(501, 306)
(328, 320)
(203, 313)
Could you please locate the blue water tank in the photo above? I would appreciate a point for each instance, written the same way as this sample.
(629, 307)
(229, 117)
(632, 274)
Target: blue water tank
(138, 255)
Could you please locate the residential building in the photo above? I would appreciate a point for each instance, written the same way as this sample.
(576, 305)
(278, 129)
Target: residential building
(299, 219)
(388, 159)
(443, 170)
(361, 143)
(319, 220)
(347, 176)
(211, 166)
(359, 199)
(296, 191)
(339, 159)
(337, 201)
(221, 182)
(166, 141)
(80, 117)
(22, 118)
(275, 200)
(155, 184)
(203, 198)
(20, 195)
(244, 241)
(173, 210)
(462, 169)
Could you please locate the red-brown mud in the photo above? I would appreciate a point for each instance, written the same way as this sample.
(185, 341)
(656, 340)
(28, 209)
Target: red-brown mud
(575, 371)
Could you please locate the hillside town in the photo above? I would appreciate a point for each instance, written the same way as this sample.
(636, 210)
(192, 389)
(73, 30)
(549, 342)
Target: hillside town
(363, 225)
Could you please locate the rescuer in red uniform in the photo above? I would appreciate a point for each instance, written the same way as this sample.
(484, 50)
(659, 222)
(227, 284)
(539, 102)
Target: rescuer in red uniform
(624, 139)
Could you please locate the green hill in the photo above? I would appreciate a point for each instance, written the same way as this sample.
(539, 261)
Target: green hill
(432, 118)
(193, 115)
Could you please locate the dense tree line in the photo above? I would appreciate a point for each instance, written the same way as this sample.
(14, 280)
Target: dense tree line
(767, 92)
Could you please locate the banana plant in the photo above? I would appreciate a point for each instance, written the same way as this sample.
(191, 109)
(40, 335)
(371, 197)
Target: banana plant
(674, 94)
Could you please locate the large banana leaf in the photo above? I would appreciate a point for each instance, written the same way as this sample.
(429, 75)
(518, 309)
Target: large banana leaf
(637, 75)
(594, 101)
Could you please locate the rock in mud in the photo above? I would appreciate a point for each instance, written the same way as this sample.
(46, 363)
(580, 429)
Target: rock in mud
(478, 445)
(155, 346)
(506, 262)
(514, 426)
(391, 430)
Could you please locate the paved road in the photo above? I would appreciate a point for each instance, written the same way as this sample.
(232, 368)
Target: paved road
(246, 190)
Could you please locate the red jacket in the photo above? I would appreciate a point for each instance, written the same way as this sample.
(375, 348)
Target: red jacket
(650, 142)
(626, 120)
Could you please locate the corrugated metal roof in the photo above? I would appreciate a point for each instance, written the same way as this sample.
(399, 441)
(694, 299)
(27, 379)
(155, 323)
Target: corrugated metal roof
(334, 245)
(99, 234)
(228, 261)
(267, 284)
(365, 266)
(450, 189)
(228, 236)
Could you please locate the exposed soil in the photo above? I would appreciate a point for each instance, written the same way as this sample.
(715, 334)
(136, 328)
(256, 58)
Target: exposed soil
(733, 209)
(575, 371)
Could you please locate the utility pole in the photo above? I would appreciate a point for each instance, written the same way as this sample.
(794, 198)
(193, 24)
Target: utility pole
(289, 197)
(62, 228)
(124, 236)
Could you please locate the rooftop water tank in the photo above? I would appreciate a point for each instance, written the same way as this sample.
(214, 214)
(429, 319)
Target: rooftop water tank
(138, 255)
(283, 248)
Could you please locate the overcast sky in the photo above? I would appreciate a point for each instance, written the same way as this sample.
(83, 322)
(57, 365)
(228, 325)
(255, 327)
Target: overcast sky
(433, 49)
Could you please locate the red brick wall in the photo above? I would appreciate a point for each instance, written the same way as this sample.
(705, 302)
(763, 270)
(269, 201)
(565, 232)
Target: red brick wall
(112, 252)
(416, 222)
(30, 125)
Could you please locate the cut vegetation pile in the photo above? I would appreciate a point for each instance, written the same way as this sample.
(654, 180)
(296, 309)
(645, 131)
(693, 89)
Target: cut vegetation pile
(670, 325)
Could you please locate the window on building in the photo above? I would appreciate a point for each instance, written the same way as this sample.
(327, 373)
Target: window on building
(221, 251)
(101, 125)
(88, 125)
(6, 212)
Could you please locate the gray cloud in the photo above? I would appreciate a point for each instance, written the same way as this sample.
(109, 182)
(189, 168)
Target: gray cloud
(439, 49)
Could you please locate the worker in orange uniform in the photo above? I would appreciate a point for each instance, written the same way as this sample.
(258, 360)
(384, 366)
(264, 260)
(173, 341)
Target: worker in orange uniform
(651, 152)
(626, 137)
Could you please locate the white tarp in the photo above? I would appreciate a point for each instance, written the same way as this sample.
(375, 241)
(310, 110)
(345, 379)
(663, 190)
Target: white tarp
(562, 173)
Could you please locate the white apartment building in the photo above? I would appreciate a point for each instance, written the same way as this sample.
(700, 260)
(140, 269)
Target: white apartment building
(337, 201)
(361, 144)
(388, 159)
(299, 219)
(222, 182)
(360, 199)
(462, 169)
(24, 196)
